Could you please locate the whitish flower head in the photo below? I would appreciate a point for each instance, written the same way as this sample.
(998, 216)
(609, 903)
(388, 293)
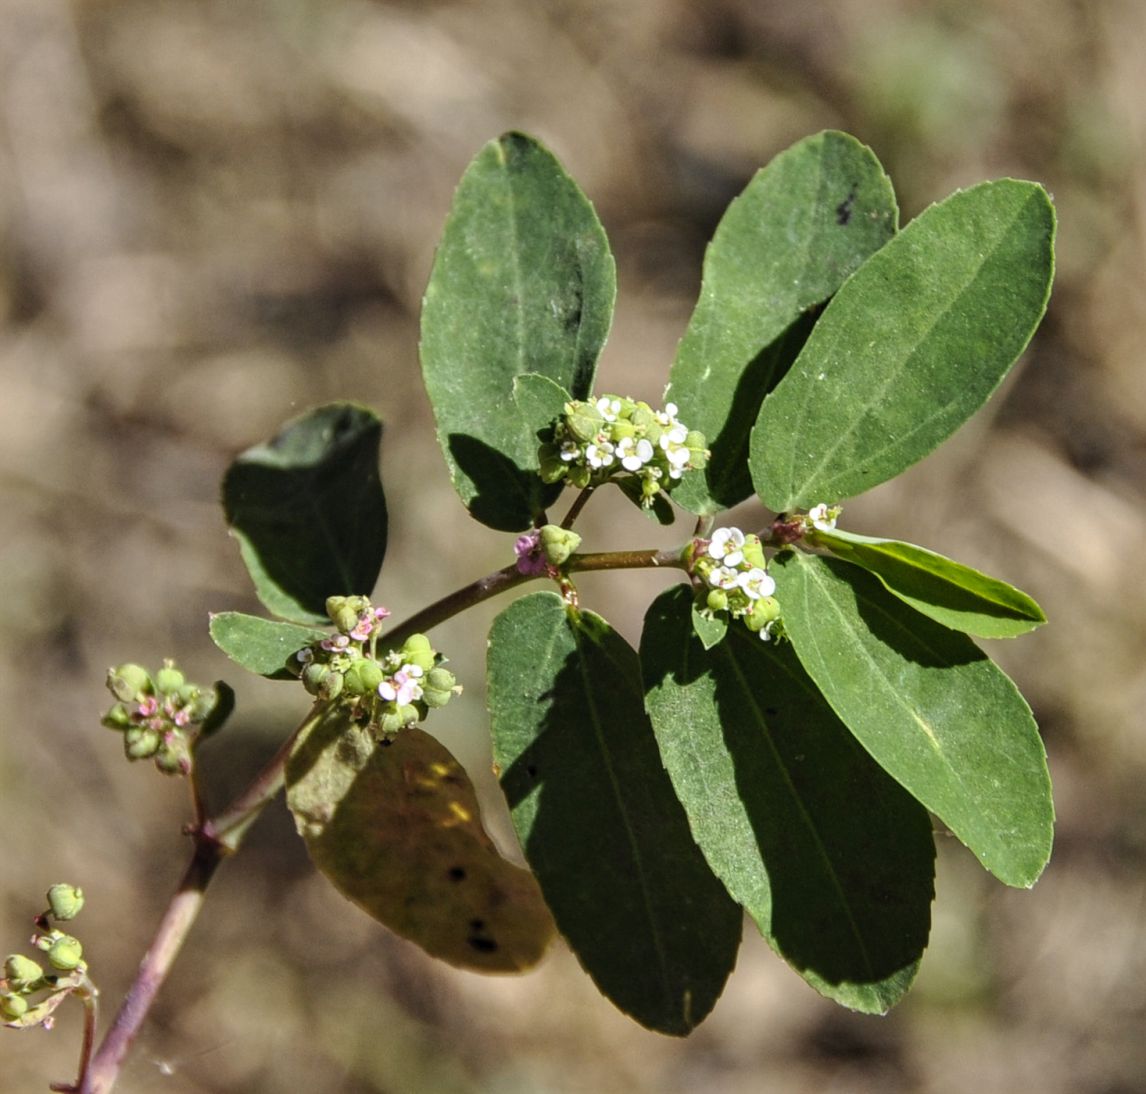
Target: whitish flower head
(723, 577)
(609, 408)
(727, 546)
(756, 583)
(822, 517)
(634, 454)
(599, 454)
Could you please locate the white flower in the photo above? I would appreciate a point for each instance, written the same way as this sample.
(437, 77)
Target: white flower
(765, 632)
(599, 454)
(820, 517)
(722, 577)
(756, 583)
(667, 417)
(727, 546)
(570, 450)
(634, 454)
(609, 408)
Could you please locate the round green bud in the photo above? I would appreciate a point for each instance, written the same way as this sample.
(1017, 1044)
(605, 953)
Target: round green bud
(762, 613)
(583, 420)
(345, 619)
(21, 971)
(362, 677)
(313, 676)
(13, 1007)
(66, 953)
(169, 679)
(440, 679)
(416, 650)
(334, 604)
(139, 742)
(117, 718)
(557, 544)
(331, 686)
(128, 682)
(391, 722)
(65, 901)
(717, 600)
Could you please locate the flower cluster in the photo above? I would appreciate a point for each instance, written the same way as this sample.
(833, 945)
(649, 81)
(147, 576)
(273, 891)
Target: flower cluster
(734, 578)
(387, 689)
(160, 716)
(25, 979)
(611, 436)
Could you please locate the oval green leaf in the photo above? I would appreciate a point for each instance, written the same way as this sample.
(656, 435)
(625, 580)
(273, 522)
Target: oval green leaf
(907, 350)
(394, 825)
(932, 709)
(262, 646)
(955, 595)
(800, 228)
(598, 819)
(523, 282)
(839, 883)
(308, 511)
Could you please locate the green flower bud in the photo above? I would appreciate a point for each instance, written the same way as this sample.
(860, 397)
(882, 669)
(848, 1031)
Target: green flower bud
(416, 650)
(583, 420)
(128, 682)
(169, 679)
(65, 901)
(117, 718)
(717, 600)
(557, 544)
(438, 687)
(13, 1007)
(334, 604)
(362, 677)
(313, 676)
(139, 742)
(66, 953)
(345, 619)
(21, 971)
(762, 613)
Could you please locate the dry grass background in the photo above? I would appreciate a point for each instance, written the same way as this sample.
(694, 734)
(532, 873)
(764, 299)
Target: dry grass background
(215, 214)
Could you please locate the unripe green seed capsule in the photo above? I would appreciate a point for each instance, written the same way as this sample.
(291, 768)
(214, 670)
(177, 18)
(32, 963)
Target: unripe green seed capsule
(21, 971)
(435, 699)
(583, 420)
(331, 686)
(558, 544)
(65, 901)
(345, 619)
(754, 552)
(440, 679)
(139, 742)
(173, 759)
(362, 677)
(391, 722)
(117, 718)
(169, 679)
(128, 682)
(416, 650)
(13, 1007)
(763, 612)
(313, 676)
(66, 953)
(717, 600)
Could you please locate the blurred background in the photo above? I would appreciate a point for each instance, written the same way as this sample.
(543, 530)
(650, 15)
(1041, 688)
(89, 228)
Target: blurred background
(214, 215)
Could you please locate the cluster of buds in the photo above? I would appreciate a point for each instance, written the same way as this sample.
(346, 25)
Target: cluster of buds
(612, 436)
(732, 577)
(29, 993)
(160, 716)
(544, 550)
(386, 689)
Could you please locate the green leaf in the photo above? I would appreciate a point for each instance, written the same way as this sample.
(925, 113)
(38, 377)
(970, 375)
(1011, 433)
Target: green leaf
(395, 827)
(832, 859)
(909, 348)
(710, 629)
(538, 400)
(929, 706)
(262, 646)
(948, 592)
(660, 510)
(523, 282)
(308, 511)
(785, 245)
(598, 819)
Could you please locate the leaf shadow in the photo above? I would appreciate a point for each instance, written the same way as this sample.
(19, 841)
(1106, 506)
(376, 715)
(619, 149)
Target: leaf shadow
(507, 497)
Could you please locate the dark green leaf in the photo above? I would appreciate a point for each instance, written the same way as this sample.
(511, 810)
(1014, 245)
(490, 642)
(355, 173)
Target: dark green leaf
(523, 282)
(909, 348)
(394, 826)
(308, 511)
(802, 225)
(598, 819)
(261, 646)
(661, 509)
(538, 400)
(223, 708)
(831, 858)
(929, 706)
(948, 592)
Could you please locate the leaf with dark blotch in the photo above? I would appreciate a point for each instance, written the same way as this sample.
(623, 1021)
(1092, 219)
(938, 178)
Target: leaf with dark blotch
(394, 825)
(308, 511)
(262, 646)
(784, 246)
(831, 858)
(955, 595)
(910, 347)
(932, 709)
(598, 819)
(523, 282)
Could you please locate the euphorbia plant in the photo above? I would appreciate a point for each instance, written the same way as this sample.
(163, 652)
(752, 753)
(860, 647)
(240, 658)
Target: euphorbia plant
(801, 701)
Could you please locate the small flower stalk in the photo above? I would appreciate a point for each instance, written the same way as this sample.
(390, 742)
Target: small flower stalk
(32, 988)
(162, 716)
(384, 688)
(614, 437)
(732, 577)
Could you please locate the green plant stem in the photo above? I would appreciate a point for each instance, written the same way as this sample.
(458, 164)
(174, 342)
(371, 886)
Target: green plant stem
(221, 835)
(88, 995)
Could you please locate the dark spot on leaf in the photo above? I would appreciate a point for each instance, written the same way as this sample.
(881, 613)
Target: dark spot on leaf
(482, 945)
(531, 770)
(456, 873)
(772, 711)
(844, 209)
(477, 924)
